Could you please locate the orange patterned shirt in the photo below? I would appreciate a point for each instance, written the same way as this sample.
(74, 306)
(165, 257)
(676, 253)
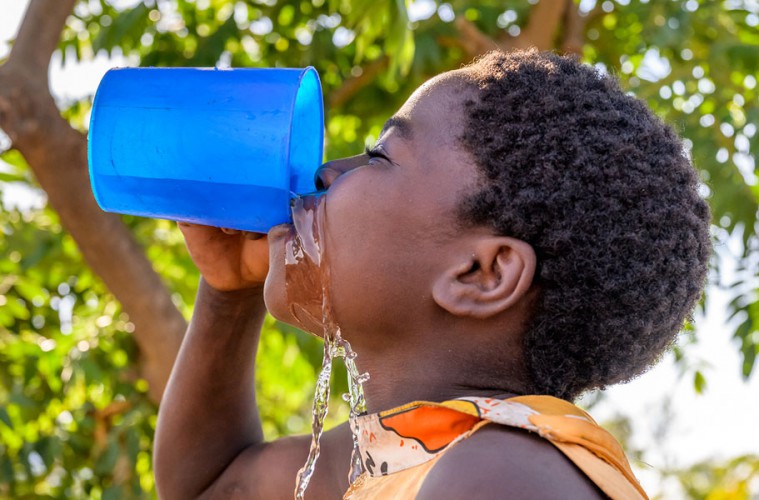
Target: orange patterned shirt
(400, 446)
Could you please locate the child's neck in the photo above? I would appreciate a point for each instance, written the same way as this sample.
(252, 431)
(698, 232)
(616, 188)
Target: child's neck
(442, 362)
(397, 382)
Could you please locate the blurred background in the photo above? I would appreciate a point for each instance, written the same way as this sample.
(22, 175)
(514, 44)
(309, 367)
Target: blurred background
(93, 306)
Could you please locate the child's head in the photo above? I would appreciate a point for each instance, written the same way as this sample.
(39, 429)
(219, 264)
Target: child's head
(526, 219)
(605, 194)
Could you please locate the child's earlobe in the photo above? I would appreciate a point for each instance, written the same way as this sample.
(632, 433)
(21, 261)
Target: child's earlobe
(488, 281)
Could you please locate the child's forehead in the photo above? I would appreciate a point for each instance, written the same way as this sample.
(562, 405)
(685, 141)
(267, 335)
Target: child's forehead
(439, 89)
(433, 116)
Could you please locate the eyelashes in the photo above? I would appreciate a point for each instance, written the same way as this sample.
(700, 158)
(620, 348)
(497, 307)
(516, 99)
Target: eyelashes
(376, 152)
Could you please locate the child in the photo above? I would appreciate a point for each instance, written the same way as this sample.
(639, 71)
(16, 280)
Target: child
(522, 227)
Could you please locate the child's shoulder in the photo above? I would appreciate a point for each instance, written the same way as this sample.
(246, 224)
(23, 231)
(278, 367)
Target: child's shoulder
(499, 461)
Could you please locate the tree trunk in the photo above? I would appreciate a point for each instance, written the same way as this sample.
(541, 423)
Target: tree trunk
(57, 154)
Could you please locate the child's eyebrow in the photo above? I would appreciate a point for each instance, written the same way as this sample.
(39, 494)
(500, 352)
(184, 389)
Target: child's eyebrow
(401, 124)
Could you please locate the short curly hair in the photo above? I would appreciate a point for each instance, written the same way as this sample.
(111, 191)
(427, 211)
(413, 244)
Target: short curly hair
(604, 192)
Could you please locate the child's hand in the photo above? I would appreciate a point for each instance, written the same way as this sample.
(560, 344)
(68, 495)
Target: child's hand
(228, 259)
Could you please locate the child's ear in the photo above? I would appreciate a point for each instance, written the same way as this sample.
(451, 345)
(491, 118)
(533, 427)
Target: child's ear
(488, 280)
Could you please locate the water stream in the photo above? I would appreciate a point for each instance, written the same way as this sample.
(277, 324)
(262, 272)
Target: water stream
(308, 291)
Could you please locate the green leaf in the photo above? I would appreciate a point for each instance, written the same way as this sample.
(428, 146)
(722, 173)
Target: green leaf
(112, 493)
(132, 444)
(14, 158)
(699, 382)
(9, 177)
(6, 470)
(49, 448)
(107, 460)
(5, 418)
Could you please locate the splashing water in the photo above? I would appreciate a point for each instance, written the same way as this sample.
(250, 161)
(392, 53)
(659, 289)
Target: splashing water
(307, 278)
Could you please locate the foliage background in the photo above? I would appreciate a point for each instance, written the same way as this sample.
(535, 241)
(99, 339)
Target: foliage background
(76, 417)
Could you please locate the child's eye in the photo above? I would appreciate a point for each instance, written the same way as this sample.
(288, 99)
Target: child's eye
(376, 152)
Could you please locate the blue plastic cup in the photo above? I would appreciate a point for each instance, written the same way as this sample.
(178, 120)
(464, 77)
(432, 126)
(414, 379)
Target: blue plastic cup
(225, 148)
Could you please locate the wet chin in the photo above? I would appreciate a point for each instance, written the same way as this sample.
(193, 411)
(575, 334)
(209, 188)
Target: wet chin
(278, 300)
(275, 298)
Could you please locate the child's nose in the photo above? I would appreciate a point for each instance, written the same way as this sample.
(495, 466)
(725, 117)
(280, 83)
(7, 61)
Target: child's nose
(327, 173)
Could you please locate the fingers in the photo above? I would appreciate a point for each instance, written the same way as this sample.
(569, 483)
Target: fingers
(246, 234)
(189, 227)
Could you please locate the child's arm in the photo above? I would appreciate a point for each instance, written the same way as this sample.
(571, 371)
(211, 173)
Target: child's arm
(209, 441)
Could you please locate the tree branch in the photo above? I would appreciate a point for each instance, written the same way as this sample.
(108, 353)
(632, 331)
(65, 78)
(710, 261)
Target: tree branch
(57, 154)
(540, 31)
(573, 37)
(475, 42)
(39, 34)
(351, 86)
(544, 21)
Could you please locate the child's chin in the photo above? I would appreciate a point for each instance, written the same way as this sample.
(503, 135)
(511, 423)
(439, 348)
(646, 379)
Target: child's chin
(299, 318)
(275, 298)
(280, 308)
(315, 330)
